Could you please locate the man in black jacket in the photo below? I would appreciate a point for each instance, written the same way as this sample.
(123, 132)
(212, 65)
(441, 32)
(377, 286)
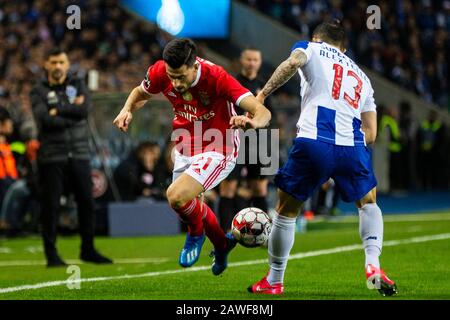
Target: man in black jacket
(60, 107)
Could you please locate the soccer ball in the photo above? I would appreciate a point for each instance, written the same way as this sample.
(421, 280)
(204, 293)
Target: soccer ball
(251, 227)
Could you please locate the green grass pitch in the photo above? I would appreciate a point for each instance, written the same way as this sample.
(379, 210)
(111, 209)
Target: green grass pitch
(324, 266)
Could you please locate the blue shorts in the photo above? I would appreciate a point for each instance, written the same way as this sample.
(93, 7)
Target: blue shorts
(312, 162)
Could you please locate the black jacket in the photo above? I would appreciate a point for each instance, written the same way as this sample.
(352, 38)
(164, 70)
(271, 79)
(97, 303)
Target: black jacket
(65, 135)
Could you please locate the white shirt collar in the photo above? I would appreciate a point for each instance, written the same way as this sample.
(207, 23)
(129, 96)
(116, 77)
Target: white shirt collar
(199, 73)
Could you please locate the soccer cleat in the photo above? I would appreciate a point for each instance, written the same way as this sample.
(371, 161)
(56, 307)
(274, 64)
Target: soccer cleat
(377, 279)
(191, 250)
(264, 287)
(220, 262)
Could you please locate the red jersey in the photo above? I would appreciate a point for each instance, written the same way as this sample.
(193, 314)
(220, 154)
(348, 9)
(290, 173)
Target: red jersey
(202, 113)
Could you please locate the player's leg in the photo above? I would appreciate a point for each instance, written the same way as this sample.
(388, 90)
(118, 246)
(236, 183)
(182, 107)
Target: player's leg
(182, 196)
(200, 173)
(282, 235)
(370, 227)
(371, 232)
(281, 240)
(307, 167)
(356, 182)
(218, 168)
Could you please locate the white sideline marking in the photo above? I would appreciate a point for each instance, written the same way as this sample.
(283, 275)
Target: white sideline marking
(34, 249)
(5, 250)
(296, 256)
(17, 263)
(388, 218)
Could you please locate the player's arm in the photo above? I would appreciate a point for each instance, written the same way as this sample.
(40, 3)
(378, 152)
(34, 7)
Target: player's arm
(283, 73)
(137, 98)
(259, 115)
(369, 126)
(369, 118)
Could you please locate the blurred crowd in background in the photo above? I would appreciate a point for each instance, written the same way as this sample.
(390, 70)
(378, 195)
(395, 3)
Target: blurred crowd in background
(411, 49)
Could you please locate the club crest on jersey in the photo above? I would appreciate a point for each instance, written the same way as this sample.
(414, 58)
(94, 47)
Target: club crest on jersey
(147, 82)
(187, 96)
(71, 93)
(204, 98)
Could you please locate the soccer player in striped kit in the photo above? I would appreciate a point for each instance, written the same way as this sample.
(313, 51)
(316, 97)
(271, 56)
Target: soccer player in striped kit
(337, 122)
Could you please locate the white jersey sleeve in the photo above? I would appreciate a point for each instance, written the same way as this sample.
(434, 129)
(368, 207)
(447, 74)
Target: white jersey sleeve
(304, 47)
(369, 104)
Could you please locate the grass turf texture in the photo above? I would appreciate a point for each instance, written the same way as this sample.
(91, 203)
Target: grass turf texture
(419, 269)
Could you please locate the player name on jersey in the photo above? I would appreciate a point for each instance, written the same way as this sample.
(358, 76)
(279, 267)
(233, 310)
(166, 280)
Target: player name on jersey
(338, 57)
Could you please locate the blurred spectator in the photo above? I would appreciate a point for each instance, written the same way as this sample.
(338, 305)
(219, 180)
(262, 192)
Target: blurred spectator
(432, 149)
(389, 126)
(325, 199)
(135, 176)
(8, 168)
(109, 42)
(410, 48)
(164, 167)
(22, 196)
(408, 129)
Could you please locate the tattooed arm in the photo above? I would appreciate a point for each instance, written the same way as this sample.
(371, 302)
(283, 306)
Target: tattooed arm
(283, 73)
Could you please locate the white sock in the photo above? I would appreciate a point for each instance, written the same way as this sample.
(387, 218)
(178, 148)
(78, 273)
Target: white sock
(371, 232)
(281, 241)
(372, 256)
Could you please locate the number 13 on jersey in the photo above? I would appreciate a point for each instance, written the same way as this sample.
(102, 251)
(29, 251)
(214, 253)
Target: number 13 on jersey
(337, 83)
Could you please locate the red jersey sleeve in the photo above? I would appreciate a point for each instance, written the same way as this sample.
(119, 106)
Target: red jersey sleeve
(230, 88)
(154, 79)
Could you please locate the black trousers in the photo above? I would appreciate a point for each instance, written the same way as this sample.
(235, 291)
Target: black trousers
(54, 177)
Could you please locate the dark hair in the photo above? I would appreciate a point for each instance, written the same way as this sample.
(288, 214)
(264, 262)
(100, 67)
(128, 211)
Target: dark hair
(179, 52)
(250, 48)
(331, 32)
(146, 145)
(4, 114)
(54, 52)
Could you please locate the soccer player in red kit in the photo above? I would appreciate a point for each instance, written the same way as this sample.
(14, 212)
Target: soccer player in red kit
(205, 125)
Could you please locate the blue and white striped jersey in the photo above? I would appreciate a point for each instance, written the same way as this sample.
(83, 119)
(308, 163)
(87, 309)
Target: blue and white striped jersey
(334, 92)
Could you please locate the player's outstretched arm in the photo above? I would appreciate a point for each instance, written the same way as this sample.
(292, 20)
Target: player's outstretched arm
(369, 126)
(259, 115)
(137, 98)
(283, 73)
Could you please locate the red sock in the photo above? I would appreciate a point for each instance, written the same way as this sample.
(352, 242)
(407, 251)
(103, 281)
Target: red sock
(212, 228)
(192, 214)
